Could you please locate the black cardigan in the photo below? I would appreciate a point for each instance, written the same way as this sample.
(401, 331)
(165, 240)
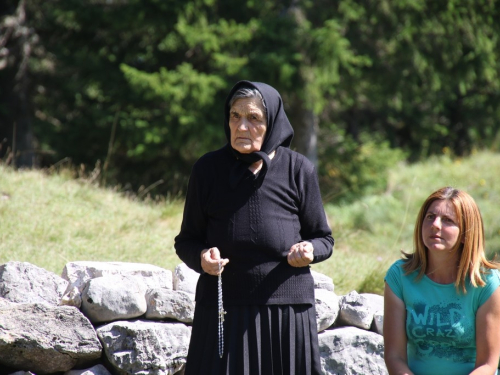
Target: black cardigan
(254, 228)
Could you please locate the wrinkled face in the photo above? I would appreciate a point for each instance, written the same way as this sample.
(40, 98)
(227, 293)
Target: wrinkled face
(440, 230)
(248, 124)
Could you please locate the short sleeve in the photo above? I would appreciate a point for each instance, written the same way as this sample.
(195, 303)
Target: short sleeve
(492, 279)
(393, 278)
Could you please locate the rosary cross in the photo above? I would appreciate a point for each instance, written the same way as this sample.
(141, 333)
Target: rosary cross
(221, 315)
(221, 308)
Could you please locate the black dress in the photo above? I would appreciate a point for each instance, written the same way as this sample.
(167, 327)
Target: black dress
(259, 340)
(270, 325)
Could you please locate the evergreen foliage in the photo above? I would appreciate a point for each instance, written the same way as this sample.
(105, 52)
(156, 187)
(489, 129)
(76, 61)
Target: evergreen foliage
(139, 85)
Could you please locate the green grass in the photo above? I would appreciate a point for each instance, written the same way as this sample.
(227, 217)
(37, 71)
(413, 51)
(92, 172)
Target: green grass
(49, 220)
(371, 232)
(52, 220)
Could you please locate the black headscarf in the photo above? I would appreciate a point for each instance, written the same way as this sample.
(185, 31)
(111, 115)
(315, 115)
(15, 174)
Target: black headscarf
(279, 132)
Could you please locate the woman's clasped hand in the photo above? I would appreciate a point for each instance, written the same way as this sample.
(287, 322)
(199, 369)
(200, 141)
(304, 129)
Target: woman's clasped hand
(211, 261)
(301, 254)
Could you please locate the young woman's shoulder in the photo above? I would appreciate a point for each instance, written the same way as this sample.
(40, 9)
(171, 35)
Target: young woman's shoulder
(395, 278)
(398, 264)
(492, 276)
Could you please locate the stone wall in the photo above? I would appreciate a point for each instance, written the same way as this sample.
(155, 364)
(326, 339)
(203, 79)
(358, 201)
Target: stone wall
(106, 318)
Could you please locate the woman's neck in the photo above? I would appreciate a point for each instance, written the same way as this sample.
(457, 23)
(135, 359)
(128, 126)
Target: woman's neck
(257, 166)
(443, 269)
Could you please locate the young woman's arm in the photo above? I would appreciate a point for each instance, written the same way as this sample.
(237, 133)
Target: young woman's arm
(488, 336)
(395, 334)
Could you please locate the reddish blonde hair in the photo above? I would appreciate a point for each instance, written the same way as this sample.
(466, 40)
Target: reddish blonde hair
(472, 261)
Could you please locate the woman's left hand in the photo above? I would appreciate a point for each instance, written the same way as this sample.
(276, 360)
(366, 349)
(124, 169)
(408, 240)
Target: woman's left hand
(301, 254)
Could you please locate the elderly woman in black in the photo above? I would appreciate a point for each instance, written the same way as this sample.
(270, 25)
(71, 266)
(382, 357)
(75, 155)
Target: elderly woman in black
(253, 214)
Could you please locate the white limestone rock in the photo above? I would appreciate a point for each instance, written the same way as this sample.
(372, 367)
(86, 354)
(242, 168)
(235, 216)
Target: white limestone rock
(6, 302)
(169, 304)
(79, 273)
(46, 339)
(24, 282)
(327, 308)
(322, 281)
(357, 310)
(95, 370)
(378, 322)
(185, 279)
(374, 302)
(145, 347)
(351, 351)
(110, 298)
(72, 297)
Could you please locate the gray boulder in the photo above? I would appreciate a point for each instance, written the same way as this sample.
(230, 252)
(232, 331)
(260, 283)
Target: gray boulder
(327, 308)
(46, 339)
(26, 283)
(96, 370)
(79, 273)
(351, 351)
(6, 302)
(378, 322)
(185, 279)
(322, 281)
(170, 304)
(145, 347)
(358, 310)
(375, 302)
(110, 298)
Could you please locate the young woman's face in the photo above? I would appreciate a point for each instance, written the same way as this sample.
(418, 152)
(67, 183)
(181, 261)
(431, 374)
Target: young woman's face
(440, 229)
(248, 124)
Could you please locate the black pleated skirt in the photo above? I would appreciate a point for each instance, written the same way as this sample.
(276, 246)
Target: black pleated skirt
(258, 340)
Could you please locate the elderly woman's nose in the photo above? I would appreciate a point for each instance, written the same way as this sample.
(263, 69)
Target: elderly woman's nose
(243, 125)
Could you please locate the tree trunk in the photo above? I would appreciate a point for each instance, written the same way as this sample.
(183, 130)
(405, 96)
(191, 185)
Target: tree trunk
(303, 119)
(461, 139)
(18, 41)
(305, 126)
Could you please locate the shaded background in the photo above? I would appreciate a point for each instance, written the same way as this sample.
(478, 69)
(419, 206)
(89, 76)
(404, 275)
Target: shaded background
(133, 90)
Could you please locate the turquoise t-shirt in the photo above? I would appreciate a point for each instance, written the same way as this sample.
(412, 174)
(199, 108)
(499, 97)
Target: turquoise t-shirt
(440, 323)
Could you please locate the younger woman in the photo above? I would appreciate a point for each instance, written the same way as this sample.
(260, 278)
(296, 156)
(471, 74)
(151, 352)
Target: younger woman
(442, 303)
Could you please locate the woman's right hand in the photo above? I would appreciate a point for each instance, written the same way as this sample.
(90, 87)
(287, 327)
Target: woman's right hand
(210, 259)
